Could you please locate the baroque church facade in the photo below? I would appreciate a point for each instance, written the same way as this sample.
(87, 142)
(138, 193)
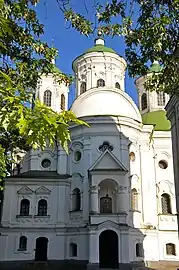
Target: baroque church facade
(111, 200)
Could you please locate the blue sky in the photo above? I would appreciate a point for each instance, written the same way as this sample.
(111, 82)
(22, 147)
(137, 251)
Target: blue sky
(70, 43)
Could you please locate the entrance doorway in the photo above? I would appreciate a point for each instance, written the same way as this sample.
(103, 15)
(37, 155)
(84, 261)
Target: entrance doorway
(108, 249)
(41, 249)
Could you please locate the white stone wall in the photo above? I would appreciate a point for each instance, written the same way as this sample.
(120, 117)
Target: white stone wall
(98, 65)
(95, 172)
(49, 83)
(58, 245)
(152, 102)
(173, 115)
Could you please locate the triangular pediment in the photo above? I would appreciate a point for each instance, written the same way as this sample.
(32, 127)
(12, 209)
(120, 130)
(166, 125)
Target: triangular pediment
(25, 190)
(107, 161)
(42, 190)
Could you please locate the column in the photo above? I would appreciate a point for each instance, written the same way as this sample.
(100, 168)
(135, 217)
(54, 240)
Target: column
(93, 248)
(122, 199)
(94, 199)
(61, 161)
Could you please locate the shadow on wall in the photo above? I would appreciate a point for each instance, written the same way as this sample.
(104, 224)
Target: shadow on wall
(112, 205)
(120, 243)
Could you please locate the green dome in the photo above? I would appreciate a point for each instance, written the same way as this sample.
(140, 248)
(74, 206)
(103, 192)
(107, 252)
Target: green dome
(158, 119)
(100, 48)
(155, 67)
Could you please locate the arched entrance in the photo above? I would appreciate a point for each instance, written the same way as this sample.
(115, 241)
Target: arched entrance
(41, 249)
(108, 249)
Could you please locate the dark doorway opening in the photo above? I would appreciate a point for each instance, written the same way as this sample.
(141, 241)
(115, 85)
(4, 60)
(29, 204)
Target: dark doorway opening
(41, 249)
(108, 249)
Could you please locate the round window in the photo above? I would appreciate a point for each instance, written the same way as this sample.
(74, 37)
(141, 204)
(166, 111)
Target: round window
(132, 156)
(163, 164)
(77, 155)
(46, 163)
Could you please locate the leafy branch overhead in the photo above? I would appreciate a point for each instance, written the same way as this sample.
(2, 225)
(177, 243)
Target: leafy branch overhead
(151, 32)
(24, 57)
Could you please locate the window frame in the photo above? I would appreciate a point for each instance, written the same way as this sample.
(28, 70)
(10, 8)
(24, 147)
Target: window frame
(76, 199)
(47, 98)
(62, 102)
(100, 83)
(82, 88)
(117, 85)
(173, 247)
(139, 250)
(73, 250)
(161, 99)
(23, 212)
(166, 204)
(20, 243)
(45, 206)
(144, 101)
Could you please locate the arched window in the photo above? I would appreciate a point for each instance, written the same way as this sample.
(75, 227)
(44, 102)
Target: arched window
(139, 250)
(100, 83)
(144, 101)
(82, 87)
(23, 243)
(42, 208)
(73, 250)
(161, 99)
(166, 204)
(47, 98)
(106, 204)
(24, 208)
(134, 199)
(62, 102)
(117, 85)
(76, 200)
(170, 249)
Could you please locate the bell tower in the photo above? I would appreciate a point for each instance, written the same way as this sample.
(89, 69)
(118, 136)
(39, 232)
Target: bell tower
(51, 93)
(150, 101)
(99, 67)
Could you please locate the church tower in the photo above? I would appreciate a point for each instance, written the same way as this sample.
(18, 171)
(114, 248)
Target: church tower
(99, 67)
(50, 93)
(152, 104)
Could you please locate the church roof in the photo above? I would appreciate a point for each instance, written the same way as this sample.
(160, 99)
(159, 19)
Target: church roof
(155, 67)
(100, 48)
(158, 119)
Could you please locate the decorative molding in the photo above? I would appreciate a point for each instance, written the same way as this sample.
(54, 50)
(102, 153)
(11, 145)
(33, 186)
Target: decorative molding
(39, 219)
(94, 189)
(122, 189)
(46, 151)
(76, 145)
(105, 146)
(120, 166)
(42, 190)
(25, 191)
(77, 176)
(161, 186)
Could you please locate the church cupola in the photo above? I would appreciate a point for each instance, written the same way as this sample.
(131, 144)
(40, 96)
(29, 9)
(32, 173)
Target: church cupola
(152, 104)
(51, 93)
(99, 67)
(150, 101)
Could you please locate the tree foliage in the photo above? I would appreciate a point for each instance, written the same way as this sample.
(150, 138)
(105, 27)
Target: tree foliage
(151, 32)
(23, 59)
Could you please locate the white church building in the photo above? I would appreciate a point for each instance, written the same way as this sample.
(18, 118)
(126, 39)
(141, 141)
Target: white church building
(111, 201)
